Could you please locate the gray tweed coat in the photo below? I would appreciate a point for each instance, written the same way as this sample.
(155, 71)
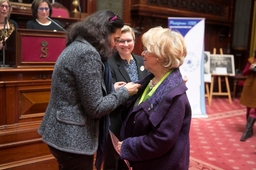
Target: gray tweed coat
(77, 101)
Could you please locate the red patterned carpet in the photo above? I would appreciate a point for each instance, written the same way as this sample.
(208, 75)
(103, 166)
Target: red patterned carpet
(215, 141)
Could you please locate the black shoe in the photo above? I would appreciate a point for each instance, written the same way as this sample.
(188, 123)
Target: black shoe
(248, 129)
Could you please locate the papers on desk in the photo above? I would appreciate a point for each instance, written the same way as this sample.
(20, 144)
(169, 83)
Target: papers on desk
(115, 141)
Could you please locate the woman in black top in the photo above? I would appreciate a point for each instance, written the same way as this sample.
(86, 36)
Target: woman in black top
(41, 10)
(7, 26)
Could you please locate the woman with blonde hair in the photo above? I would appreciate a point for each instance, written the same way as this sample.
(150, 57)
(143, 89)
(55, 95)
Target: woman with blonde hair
(155, 132)
(7, 25)
(125, 67)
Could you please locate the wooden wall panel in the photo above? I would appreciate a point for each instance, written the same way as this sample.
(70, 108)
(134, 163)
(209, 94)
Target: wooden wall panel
(145, 14)
(25, 95)
(218, 14)
(2, 102)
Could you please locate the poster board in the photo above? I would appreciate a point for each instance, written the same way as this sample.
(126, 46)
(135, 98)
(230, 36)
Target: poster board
(193, 67)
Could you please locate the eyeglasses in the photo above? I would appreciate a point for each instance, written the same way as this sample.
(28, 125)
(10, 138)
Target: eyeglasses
(42, 9)
(4, 6)
(124, 41)
(145, 50)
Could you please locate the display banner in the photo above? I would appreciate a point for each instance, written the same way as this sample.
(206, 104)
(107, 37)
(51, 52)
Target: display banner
(193, 67)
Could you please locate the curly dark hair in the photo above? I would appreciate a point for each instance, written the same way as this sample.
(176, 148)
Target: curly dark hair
(96, 29)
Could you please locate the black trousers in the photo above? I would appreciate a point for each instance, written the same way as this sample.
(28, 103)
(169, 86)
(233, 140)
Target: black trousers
(71, 161)
(112, 160)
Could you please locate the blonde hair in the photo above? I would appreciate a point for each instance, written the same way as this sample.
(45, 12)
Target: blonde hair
(126, 29)
(168, 45)
(10, 7)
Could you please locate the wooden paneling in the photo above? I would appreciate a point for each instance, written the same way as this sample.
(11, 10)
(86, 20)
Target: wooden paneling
(218, 14)
(24, 98)
(2, 102)
(87, 6)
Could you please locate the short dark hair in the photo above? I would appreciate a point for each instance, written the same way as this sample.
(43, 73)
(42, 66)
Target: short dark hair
(96, 29)
(35, 5)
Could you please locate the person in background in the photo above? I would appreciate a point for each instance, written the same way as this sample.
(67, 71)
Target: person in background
(75, 123)
(125, 67)
(155, 132)
(248, 97)
(41, 9)
(7, 25)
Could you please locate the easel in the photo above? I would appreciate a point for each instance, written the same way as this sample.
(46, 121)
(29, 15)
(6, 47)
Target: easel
(220, 93)
(207, 94)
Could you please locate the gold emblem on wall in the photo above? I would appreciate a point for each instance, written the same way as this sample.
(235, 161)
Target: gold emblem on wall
(44, 49)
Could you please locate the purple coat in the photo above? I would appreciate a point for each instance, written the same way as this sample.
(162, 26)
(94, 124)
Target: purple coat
(155, 133)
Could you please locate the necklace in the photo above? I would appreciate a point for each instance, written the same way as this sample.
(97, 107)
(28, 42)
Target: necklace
(151, 85)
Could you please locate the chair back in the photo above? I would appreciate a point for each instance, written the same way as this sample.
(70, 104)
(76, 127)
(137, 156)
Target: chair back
(58, 10)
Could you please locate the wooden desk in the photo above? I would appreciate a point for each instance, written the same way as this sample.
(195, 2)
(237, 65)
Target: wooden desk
(24, 96)
(220, 92)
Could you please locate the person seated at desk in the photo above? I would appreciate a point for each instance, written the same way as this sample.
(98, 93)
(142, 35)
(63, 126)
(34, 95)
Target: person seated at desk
(7, 25)
(41, 11)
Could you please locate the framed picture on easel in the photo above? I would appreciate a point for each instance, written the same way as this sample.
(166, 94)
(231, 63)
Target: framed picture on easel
(222, 64)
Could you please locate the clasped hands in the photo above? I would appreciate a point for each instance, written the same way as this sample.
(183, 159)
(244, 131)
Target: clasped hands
(1, 43)
(131, 87)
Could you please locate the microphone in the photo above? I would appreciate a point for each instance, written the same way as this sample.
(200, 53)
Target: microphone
(5, 21)
(79, 8)
(56, 23)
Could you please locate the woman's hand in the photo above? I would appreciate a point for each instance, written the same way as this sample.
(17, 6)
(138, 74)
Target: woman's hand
(1, 43)
(119, 84)
(119, 146)
(132, 88)
(252, 66)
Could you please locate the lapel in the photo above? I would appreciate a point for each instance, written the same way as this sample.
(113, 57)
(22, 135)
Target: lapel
(140, 67)
(173, 82)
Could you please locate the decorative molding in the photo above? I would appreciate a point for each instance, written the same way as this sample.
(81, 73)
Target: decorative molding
(219, 8)
(218, 11)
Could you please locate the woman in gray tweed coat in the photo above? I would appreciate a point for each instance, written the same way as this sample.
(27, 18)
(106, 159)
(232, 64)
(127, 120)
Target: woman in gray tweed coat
(73, 125)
